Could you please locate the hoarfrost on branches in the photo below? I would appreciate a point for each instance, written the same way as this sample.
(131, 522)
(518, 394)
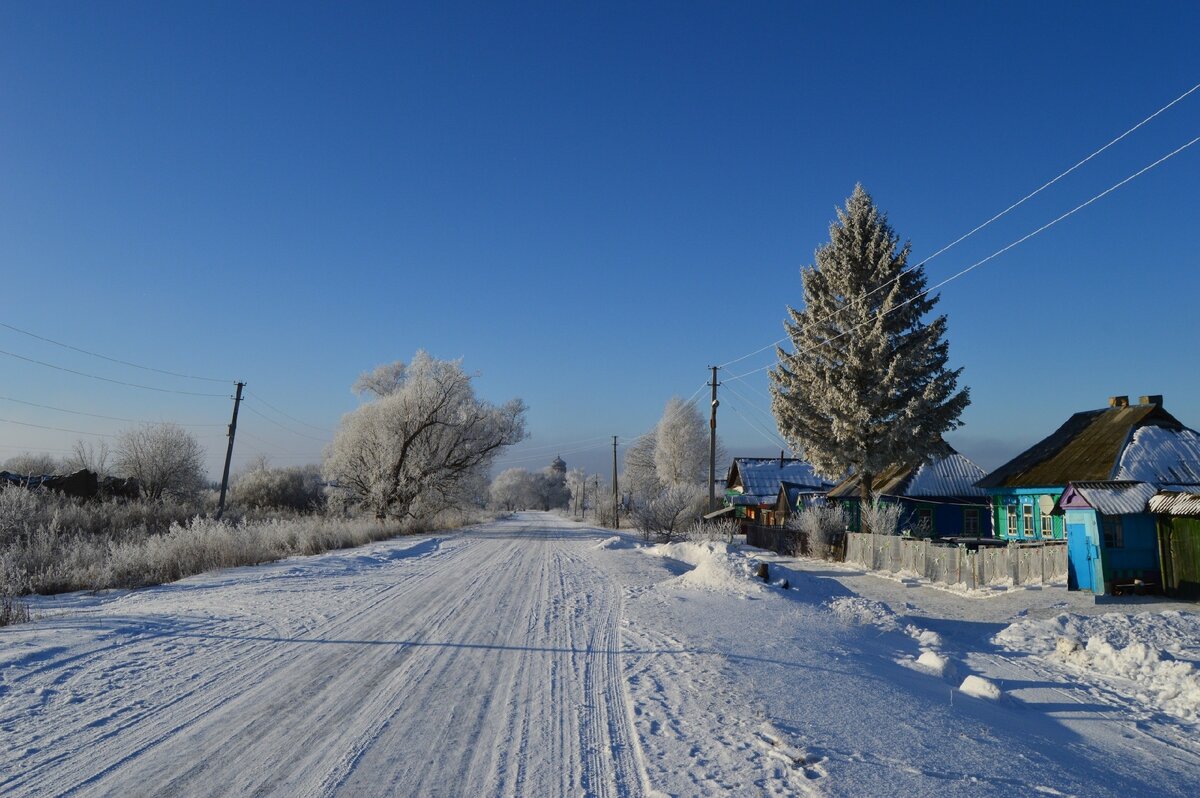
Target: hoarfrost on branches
(411, 450)
(866, 385)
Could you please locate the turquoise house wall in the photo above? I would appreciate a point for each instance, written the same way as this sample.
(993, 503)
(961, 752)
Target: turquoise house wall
(1002, 498)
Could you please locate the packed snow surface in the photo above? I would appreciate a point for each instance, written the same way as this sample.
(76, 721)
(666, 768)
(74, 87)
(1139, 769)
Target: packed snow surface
(538, 656)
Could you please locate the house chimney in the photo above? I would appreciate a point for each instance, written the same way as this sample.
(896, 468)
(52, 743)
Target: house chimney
(1152, 399)
(1118, 401)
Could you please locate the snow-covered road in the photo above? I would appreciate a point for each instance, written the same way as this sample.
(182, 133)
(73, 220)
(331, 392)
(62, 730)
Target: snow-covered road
(486, 663)
(539, 657)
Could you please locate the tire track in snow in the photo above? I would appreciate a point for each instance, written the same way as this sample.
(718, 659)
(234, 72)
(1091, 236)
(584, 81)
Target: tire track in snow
(493, 667)
(242, 659)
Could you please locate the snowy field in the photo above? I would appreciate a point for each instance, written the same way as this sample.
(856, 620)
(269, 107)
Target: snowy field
(539, 657)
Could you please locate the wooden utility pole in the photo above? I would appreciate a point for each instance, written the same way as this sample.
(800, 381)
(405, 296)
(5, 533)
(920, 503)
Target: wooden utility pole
(616, 508)
(712, 444)
(237, 400)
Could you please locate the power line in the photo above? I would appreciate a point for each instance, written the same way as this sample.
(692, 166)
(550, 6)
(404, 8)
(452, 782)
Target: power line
(979, 263)
(110, 359)
(975, 230)
(285, 415)
(285, 427)
(57, 429)
(95, 415)
(107, 379)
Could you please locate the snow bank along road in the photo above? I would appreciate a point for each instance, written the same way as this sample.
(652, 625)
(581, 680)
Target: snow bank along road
(535, 656)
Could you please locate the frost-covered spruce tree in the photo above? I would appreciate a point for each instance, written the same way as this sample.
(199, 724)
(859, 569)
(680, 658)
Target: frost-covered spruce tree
(866, 386)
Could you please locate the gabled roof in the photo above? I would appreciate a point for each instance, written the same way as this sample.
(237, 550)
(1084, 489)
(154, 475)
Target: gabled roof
(1113, 497)
(951, 476)
(790, 493)
(762, 476)
(1087, 447)
(1162, 455)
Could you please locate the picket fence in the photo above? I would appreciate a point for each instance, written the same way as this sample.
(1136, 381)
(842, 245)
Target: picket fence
(1041, 562)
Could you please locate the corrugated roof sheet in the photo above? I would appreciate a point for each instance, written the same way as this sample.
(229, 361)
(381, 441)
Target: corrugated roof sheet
(1176, 503)
(1162, 455)
(1086, 448)
(952, 476)
(762, 476)
(1116, 497)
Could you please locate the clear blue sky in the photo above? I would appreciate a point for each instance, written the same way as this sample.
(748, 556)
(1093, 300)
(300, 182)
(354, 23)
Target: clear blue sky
(588, 202)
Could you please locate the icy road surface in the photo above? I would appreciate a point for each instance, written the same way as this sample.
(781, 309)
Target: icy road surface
(539, 657)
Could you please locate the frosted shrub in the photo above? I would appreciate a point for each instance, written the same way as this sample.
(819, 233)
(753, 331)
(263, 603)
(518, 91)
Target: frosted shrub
(880, 517)
(295, 488)
(18, 512)
(665, 515)
(821, 527)
(706, 531)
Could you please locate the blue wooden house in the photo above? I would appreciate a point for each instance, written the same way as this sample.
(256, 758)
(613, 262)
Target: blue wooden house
(1112, 540)
(1090, 482)
(938, 496)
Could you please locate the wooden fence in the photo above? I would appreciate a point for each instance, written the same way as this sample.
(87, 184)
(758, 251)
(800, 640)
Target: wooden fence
(1041, 562)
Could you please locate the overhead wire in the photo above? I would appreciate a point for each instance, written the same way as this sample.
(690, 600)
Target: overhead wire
(106, 357)
(108, 379)
(981, 262)
(57, 429)
(96, 415)
(980, 227)
(285, 427)
(265, 403)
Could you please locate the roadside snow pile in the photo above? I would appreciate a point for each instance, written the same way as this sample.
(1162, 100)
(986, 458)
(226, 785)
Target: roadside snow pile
(934, 663)
(858, 611)
(980, 688)
(715, 566)
(615, 542)
(1157, 652)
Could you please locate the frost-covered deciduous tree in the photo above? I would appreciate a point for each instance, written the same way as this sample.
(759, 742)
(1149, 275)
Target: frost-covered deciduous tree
(866, 385)
(577, 490)
(408, 452)
(29, 463)
(93, 457)
(512, 489)
(666, 470)
(165, 459)
(640, 479)
(681, 445)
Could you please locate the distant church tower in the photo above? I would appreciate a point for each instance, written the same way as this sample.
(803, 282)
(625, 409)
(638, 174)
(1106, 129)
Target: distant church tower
(559, 467)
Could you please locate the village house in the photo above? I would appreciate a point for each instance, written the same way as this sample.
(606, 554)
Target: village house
(752, 486)
(938, 497)
(1091, 481)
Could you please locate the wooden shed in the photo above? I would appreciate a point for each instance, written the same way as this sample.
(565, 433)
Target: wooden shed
(1178, 514)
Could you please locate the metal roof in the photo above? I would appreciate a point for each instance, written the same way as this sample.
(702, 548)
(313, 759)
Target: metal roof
(951, 476)
(1162, 455)
(1116, 497)
(1176, 503)
(1085, 448)
(762, 476)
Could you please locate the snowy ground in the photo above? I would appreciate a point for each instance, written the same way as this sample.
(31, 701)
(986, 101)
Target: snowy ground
(536, 656)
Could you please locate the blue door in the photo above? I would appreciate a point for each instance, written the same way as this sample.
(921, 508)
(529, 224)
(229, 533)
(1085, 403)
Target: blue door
(1081, 559)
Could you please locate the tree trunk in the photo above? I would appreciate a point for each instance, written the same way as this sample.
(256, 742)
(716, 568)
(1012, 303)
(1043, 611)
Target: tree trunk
(864, 499)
